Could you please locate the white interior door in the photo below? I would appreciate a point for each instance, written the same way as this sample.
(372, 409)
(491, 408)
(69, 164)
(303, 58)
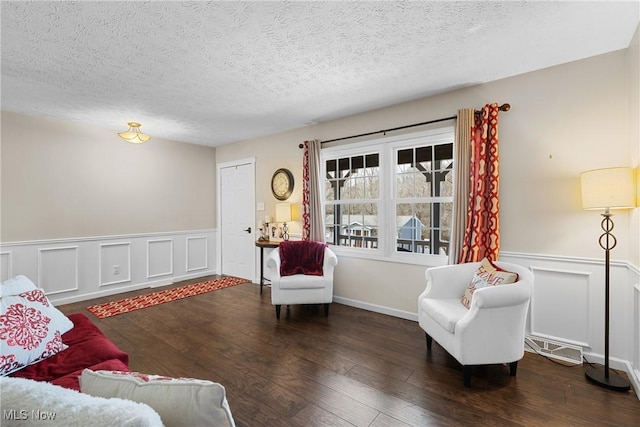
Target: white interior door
(236, 213)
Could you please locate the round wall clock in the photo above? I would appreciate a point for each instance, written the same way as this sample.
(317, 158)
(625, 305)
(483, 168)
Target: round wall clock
(282, 184)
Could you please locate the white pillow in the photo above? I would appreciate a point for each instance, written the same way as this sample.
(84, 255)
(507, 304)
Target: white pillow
(179, 401)
(31, 327)
(27, 403)
(16, 285)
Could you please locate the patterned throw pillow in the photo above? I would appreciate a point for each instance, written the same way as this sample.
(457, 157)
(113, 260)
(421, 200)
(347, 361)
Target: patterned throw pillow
(179, 401)
(16, 286)
(31, 327)
(488, 274)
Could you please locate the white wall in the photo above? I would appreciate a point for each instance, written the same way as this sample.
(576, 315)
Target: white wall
(634, 137)
(65, 180)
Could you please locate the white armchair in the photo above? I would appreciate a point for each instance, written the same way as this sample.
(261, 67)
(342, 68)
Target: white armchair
(302, 288)
(491, 331)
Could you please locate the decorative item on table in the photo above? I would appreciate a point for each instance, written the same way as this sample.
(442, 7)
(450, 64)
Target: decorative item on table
(262, 227)
(266, 229)
(283, 215)
(611, 188)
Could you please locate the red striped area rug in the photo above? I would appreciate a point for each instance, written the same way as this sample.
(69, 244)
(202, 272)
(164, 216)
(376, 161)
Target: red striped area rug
(155, 298)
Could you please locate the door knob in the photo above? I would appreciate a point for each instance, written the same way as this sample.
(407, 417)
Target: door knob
(248, 230)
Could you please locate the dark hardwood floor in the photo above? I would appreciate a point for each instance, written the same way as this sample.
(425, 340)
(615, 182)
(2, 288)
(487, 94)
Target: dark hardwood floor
(354, 368)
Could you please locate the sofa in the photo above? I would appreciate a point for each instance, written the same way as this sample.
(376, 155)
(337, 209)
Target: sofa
(62, 370)
(87, 348)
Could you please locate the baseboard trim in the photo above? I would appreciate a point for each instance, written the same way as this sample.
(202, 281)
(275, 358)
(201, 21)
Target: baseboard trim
(129, 288)
(376, 308)
(634, 377)
(619, 365)
(188, 277)
(99, 294)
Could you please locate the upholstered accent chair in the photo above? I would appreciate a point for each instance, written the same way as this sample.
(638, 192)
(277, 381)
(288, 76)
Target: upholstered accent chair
(491, 330)
(301, 273)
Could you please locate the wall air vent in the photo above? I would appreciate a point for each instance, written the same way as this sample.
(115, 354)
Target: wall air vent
(554, 349)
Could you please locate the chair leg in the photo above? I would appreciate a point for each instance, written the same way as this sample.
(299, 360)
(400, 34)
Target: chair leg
(429, 341)
(326, 310)
(513, 367)
(278, 311)
(466, 375)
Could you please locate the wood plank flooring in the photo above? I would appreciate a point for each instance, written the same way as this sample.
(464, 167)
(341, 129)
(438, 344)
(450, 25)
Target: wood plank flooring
(354, 368)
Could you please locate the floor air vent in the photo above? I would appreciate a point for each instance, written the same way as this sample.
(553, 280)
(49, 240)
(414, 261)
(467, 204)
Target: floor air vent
(554, 349)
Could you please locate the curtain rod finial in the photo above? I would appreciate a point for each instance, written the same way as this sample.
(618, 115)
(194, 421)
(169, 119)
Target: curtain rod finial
(505, 107)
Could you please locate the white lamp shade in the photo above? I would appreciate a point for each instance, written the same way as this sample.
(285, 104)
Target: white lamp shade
(611, 188)
(283, 212)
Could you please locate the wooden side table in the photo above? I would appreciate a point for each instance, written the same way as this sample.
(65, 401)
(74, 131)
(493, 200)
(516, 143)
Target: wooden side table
(264, 244)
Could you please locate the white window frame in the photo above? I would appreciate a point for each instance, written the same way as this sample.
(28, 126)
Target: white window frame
(352, 150)
(386, 148)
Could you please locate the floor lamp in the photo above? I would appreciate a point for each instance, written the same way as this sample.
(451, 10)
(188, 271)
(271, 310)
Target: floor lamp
(612, 188)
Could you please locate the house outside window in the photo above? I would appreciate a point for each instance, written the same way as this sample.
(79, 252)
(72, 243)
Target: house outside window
(390, 198)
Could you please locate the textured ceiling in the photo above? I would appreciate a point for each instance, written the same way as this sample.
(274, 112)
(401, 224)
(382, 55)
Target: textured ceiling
(213, 73)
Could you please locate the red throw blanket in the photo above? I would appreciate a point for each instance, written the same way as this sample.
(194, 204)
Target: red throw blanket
(301, 257)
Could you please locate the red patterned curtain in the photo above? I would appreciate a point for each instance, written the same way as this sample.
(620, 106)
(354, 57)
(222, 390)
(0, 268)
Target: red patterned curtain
(482, 232)
(312, 216)
(306, 224)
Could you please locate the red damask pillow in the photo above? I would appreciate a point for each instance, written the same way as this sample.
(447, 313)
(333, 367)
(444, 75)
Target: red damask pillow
(31, 329)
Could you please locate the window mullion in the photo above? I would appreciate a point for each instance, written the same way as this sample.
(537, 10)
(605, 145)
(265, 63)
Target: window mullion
(388, 199)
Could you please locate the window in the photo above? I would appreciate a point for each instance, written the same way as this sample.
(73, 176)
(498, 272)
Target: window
(424, 198)
(352, 198)
(391, 197)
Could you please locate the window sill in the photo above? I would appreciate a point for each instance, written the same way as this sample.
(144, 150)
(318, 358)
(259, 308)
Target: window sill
(375, 255)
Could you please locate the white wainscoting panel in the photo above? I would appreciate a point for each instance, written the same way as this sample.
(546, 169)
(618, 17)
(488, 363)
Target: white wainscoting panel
(77, 269)
(58, 269)
(115, 263)
(568, 305)
(5, 265)
(197, 257)
(560, 305)
(159, 258)
(636, 333)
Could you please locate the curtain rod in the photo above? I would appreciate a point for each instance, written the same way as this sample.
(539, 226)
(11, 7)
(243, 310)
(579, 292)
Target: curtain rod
(503, 107)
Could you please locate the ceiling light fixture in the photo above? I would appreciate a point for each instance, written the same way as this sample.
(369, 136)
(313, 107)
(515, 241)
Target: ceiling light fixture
(133, 134)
